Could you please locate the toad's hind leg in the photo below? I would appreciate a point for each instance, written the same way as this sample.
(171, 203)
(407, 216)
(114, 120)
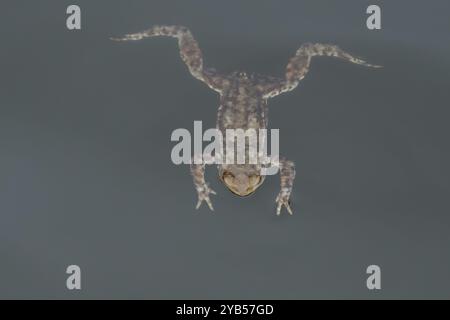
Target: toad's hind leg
(298, 66)
(189, 51)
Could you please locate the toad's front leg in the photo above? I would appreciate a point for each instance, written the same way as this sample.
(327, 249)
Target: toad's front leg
(203, 190)
(287, 176)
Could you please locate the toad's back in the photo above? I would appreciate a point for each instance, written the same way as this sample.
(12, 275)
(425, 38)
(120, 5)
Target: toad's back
(241, 105)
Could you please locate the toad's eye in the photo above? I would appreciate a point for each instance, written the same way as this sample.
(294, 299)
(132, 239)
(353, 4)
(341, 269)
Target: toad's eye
(228, 177)
(228, 174)
(254, 180)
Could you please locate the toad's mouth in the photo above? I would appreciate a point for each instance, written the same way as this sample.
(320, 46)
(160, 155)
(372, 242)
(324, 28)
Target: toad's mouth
(245, 193)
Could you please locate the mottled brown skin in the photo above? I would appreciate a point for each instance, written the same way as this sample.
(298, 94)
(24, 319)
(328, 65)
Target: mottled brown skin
(243, 105)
